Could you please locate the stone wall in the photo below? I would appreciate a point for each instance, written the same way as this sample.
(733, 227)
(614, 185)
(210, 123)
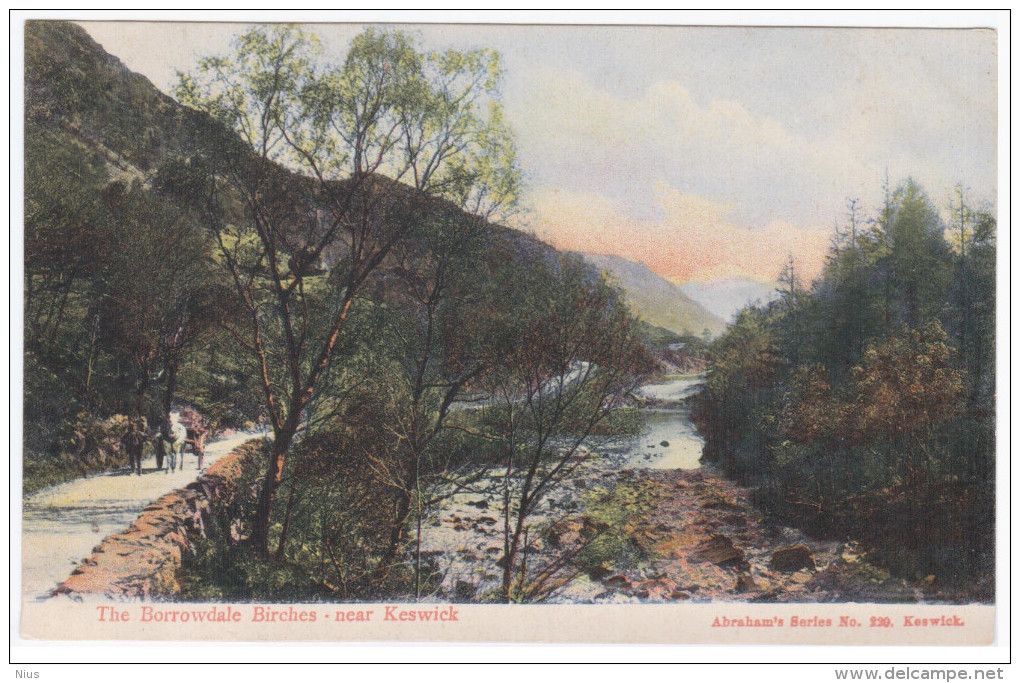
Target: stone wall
(144, 561)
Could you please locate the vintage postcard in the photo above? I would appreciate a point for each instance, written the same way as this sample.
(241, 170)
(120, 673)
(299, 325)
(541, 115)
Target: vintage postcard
(509, 333)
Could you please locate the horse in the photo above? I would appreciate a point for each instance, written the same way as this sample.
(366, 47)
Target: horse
(170, 441)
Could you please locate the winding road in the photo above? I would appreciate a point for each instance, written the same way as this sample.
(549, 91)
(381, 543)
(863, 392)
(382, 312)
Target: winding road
(63, 523)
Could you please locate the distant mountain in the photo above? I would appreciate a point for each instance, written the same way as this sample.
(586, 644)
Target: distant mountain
(655, 299)
(726, 296)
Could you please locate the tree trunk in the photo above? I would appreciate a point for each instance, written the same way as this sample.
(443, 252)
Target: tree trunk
(397, 533)
(143, 388)
(510, 562)
(417, 554)
(282, 545)
(171, 385)
(60, 314)
(92, 353)
(264, 511)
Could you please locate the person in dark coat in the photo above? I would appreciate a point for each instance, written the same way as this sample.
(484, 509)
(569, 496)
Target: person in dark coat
(162, 443)
(133, 441)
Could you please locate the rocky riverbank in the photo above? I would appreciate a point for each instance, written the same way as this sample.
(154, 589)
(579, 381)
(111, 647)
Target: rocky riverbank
(647, 523)
(657, 536)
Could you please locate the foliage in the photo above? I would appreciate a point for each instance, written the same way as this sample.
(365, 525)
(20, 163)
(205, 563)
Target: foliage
(388, 115)
(568, 355)
(615, 514)
(864, 405)
(119, 294)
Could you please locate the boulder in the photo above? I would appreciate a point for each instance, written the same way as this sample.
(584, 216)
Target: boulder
(718, 549)
(791, 558)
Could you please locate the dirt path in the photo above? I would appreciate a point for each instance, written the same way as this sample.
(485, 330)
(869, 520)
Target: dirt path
(61, 524)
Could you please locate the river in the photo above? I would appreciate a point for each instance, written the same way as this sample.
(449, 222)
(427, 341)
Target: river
(670, 440)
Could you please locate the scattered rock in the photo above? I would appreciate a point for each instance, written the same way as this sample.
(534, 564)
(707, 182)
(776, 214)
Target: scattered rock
(745, 584)
(618, 581)
(801, 577)
(850, 553)
(679, 595)
(718, 549)
(480, 504)
(464, 590)
(664, 444)
(791, 558)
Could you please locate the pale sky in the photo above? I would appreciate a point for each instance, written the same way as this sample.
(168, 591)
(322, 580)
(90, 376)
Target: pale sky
(704, 152)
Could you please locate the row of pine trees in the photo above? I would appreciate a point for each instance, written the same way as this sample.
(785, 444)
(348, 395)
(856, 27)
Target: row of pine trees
(863, 406)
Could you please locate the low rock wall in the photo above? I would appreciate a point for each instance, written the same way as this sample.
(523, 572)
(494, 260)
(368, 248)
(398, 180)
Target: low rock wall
(144, 561)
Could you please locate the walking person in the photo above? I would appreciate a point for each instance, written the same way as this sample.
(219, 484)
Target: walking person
(133, 441)
(162, 443)
(197, 440)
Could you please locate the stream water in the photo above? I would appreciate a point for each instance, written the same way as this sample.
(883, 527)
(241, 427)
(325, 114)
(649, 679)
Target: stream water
(670, 440)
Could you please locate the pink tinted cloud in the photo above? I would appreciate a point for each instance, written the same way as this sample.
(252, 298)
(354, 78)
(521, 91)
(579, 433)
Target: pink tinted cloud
(694, 240)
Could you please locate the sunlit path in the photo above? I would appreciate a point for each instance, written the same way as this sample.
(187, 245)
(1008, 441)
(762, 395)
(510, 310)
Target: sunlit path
(63, 523)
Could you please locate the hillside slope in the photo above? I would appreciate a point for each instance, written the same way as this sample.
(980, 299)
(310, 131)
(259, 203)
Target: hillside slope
(655, 299)
(76, 89)
(77, 93)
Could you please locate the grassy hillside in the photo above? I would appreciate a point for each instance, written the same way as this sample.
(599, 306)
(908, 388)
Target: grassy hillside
(655, 299)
